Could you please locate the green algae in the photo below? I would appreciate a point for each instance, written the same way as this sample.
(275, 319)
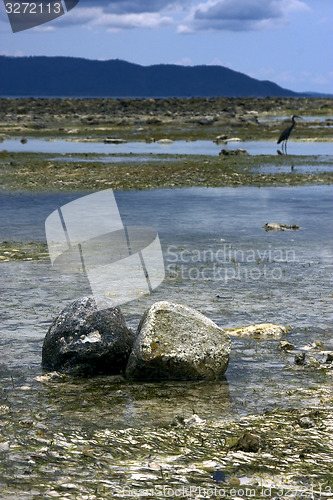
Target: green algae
(37, 172)
(13, 251)
(104, 462)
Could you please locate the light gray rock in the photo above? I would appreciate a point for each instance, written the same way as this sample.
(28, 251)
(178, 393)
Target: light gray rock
(175, 342)
(276, 226)
(259, 331)
(312, 363)
(85, 341)
(286, 346)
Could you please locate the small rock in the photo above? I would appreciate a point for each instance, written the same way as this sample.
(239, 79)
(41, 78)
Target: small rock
(232, 152)
(317, 346)
(312, 362)
(329, 358)
(234, 481)
(52, 377)
(165, 141)
(259, 331)
(221, 139)
(194, 420)
(300, 358)
(218, 476)
(178, 421)
(276, 226)
(249, 443)
(305, 422)
(286, 346)
(114, 140)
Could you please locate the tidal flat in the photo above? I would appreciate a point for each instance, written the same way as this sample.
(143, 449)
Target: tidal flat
(105, 437)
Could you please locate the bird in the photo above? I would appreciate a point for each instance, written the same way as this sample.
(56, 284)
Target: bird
(286, 133)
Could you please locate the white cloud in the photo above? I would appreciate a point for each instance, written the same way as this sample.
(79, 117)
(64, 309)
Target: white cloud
(127, 21)
(91, 17)
(44, 29)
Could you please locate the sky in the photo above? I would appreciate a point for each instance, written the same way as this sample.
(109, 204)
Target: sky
(289, 42)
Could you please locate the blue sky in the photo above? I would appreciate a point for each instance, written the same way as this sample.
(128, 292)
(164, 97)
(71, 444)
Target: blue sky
(289, 42)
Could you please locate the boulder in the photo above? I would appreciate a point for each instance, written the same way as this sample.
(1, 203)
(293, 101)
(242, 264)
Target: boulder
(175, 342)
(85, 341)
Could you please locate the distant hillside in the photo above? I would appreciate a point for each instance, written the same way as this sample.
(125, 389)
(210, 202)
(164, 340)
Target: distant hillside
(68, 76)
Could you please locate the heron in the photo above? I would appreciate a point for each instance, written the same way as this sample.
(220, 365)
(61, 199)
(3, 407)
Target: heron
(286, 133)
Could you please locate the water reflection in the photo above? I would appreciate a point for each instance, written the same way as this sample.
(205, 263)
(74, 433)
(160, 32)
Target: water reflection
(59, 147)
(134, 404)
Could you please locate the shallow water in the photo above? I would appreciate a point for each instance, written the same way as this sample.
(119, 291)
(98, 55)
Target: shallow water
(177, 147)
(70, 439)
(219, 260)
(298, 169)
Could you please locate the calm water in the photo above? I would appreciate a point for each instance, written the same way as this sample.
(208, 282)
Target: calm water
(178, 147)
(228, 267)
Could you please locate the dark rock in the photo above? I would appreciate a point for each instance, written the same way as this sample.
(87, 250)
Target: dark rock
(249, 443)
(221, 138)
(329, 358)
(233, 152)
(85, 341)
(114, 140)
(218, 476)
(175, 342)
(206, 121)
(300, 358)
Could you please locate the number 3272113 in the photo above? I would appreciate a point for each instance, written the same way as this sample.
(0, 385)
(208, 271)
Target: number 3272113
(33, 8)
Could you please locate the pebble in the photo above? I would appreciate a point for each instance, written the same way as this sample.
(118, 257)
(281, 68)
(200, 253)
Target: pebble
(300, 358)
(234, 481)
(286, 346)
(305, 422)
(249, 443)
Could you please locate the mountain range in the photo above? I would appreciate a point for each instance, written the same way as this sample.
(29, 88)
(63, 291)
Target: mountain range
(41, 76)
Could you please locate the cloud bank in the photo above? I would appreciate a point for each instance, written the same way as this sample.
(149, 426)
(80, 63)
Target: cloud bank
(185, 16)
(240, 15)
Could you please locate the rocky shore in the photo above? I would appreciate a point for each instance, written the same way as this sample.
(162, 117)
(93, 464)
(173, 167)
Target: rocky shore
(118, 121)
(141, 119)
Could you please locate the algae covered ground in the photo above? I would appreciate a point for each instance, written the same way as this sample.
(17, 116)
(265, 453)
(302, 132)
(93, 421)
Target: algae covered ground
(142, 120)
